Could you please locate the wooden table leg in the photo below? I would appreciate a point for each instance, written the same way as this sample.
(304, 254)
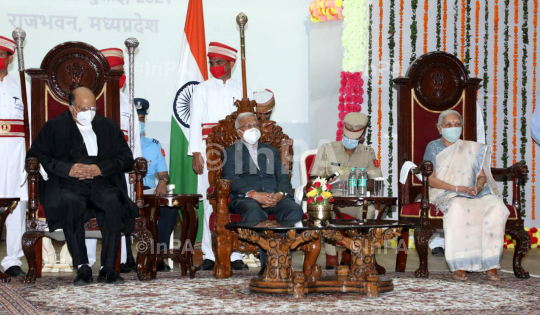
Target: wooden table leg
(311, 251)
(279, 276)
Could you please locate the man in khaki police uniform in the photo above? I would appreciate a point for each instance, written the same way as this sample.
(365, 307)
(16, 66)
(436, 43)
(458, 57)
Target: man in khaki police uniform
(341, 156)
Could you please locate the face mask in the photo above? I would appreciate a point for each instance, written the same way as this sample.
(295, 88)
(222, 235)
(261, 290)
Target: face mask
(451, 134)
(252, 135)
(349, 143)
(85, 118)
(122, 81)
(218, 72)
(141, 127)
(4, 63)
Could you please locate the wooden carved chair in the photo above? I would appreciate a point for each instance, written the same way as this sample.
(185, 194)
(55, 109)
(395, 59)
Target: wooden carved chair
(435, 82)
(224, 241)
(66, 67)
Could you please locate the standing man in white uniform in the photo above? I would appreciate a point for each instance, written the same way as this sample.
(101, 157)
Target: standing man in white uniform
(12, 164)
(212, 101)
(115, 57)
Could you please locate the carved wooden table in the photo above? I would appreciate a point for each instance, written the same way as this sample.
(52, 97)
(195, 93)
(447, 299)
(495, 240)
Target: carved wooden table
(362, 237)
(10, 204)
(187, 205)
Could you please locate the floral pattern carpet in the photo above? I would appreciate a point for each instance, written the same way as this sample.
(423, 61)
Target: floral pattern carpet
(172, 294)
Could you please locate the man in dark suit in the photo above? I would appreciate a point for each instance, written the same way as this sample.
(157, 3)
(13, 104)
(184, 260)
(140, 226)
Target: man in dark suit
(260, 184)
(85, 155)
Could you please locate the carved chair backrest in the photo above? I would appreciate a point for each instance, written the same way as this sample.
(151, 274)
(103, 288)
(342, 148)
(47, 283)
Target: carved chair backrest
(435, 82)
(224, 135)
(64, 68)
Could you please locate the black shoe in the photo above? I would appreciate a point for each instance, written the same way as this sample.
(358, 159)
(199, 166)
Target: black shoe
(207, 264)
(14, 271)
(84, 276)
(131, 263)
(113, 278)
(125, 269)
(239, 265)
(437, 251)
(102, 276)
(261, 272)
(163, 267)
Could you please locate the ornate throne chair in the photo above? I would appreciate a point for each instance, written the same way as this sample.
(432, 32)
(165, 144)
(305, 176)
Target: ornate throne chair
(66, 67)
(435, 82)
(224, 241)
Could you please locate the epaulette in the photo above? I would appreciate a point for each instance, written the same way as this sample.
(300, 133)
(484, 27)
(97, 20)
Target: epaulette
(155, 141)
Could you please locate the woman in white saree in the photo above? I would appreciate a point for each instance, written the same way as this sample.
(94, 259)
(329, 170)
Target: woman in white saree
(463, 188)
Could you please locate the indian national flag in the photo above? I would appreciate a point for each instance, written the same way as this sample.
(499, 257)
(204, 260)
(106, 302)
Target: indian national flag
(192, 71)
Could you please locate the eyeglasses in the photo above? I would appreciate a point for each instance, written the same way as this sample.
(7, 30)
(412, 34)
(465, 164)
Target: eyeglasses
(249, 126)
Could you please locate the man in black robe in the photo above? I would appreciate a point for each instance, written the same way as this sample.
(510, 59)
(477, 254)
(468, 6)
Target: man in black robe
(85, 155)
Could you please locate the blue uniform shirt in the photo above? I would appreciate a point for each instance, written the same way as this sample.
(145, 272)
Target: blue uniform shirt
(154, 154)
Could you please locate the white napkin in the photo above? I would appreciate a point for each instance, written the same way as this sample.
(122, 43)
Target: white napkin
(405, 169)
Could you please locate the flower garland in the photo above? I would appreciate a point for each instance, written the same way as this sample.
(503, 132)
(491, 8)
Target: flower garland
(463, 16)
(400, 58)
(504, 143)
(476, 38)
(391, 46)
(379, 111)
(495, 79)
(515, 81)
(354, 38)
(426, 17)
(524, 94)
(485, 67)
(456, 13)
(438, 28)
(468, 37)
(414, 29)
(535, 50)
(445, 23)
(370, 70)
(354, 41)
(326, 10)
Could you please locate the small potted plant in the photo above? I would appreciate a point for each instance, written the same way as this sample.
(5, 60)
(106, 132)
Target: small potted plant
(320, 201)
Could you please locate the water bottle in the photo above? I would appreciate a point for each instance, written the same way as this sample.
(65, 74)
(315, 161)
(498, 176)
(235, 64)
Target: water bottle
(352, 182)
(362, 182)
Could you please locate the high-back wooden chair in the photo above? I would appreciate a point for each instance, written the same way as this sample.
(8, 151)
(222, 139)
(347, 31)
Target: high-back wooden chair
(64, 68)
(224, 241)
(435, 82)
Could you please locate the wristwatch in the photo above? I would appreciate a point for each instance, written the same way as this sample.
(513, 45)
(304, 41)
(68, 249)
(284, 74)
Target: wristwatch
(165, 179)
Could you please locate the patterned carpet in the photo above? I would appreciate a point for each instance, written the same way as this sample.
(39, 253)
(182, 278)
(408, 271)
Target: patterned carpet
(205, 295)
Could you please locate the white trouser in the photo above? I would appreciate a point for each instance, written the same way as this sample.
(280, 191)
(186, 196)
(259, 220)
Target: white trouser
(15, 228)
(436, 240)
(202, 187)
(91, 249)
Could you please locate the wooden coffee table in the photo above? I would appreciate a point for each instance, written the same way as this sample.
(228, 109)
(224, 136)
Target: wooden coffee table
(362, 237)
(187, 204)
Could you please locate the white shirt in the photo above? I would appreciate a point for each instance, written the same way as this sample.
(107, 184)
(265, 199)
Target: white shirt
(12, 164)
(252, 149)
(212, 101)
(90, 139)
(126, 110)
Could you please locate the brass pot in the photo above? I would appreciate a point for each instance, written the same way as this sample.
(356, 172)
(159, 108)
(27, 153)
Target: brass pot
(320, 213)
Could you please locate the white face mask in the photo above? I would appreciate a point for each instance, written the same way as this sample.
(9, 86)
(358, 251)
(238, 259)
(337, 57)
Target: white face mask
(451, 134)
(85, 118)
(252, 135)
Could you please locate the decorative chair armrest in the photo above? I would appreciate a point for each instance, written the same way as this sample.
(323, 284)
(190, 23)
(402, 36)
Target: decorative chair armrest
(140, 168)
(518, 170)
(426, 169)
(223, 189)
(32, 169)
(221, 205)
